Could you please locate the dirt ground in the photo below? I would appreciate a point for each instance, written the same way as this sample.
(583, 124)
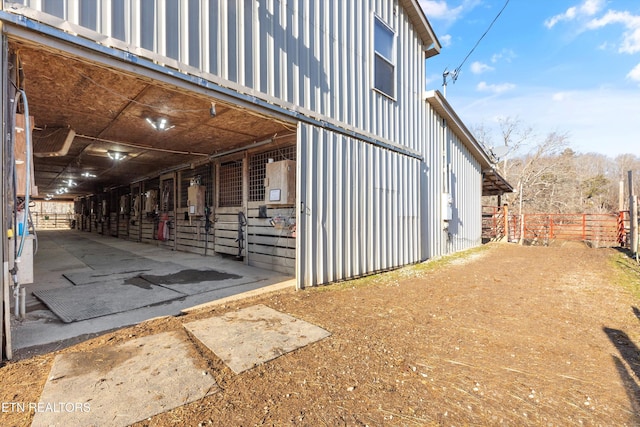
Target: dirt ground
(505, 335)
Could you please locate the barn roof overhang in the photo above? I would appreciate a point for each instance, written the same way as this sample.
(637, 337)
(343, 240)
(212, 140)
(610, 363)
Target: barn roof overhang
(431, 44)
(492, 183)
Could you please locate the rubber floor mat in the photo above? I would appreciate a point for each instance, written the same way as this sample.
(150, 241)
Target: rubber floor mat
(76, 303)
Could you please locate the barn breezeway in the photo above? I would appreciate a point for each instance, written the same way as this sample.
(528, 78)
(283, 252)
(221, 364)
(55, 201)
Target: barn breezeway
(86, 284)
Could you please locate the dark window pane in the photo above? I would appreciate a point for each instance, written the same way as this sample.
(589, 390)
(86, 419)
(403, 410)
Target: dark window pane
(54, 7)
(383, 40)
(148, 24)
(117, 25)
(232, 35)
(173, 24)
(194, 33)
(383, 76)
(89, 14)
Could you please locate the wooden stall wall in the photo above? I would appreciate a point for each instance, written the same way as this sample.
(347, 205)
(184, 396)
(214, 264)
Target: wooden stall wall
(272, 240)
(271, 230)
(167, 204)
(190, 232)
(149, 210)
(231, 181)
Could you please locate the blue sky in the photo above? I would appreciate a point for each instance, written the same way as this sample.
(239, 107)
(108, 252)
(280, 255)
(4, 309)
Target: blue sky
(566, 66)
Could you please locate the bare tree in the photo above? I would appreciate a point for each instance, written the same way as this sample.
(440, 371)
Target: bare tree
(550, 177)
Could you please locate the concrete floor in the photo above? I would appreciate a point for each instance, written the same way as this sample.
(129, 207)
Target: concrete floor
(58, 254)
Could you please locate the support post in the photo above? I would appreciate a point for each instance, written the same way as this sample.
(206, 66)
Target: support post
(621, 196)
(6, 350)
(633, 217)
(505, 211)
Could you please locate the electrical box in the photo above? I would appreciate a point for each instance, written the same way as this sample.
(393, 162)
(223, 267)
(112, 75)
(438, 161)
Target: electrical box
(280, 183)
(447, 207)
(25, 266)
(196, 203)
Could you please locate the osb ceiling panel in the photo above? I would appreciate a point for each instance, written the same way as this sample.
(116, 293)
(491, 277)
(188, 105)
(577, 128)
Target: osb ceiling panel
(108, 110)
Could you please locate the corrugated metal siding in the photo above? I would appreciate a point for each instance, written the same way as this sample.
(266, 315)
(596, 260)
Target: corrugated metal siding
(359, 207)
(465, 177)
(314, 54)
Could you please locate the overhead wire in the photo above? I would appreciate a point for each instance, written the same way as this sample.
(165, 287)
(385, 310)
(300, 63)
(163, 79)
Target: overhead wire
(456, 71)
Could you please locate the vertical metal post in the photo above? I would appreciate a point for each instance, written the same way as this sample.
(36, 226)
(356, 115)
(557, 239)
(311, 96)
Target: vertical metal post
(505, 212)
(245, 203)
(633, 215)
(634, 225)
(5, 319)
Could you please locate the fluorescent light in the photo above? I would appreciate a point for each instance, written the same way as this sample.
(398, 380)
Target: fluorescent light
(161, 124)
(116, 155)
(152, 123)
(88, 175)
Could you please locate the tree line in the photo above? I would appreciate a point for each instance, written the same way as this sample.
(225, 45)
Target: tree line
(548, 176)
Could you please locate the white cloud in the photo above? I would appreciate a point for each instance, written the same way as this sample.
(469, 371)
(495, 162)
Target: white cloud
(631, 37)
(441, 9)
(634, 74)
(496, 89)
(445, 40)
(587, 8)
(506, 55)
(560, 96)
(479, 68)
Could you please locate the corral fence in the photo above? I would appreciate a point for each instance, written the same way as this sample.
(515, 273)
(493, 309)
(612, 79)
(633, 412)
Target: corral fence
(48, 221)
(598, 230)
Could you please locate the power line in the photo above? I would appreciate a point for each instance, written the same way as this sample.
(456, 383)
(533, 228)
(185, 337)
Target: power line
(456, 72)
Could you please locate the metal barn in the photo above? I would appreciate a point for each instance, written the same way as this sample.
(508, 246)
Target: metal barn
(295, 136)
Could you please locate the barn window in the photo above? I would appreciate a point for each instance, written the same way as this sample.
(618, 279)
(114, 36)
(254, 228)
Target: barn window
(230, 192)
(384, 66)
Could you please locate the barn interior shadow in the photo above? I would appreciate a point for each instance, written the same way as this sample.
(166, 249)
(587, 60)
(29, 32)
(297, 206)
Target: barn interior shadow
(629, 372)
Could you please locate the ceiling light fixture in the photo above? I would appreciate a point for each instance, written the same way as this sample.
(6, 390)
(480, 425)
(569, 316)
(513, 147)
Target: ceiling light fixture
(212, 110)
(116, 155)
(88, 175)
(160, 125)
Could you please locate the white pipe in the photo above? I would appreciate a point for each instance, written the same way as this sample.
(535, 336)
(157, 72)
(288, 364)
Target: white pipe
(16, 296)
(23, 303)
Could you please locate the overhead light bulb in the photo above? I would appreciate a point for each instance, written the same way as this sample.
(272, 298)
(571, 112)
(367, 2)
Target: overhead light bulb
(212, 110)
(162, 124)
(116, 155)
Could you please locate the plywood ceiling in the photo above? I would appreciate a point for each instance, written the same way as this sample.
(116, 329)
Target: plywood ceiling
(108, 110)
